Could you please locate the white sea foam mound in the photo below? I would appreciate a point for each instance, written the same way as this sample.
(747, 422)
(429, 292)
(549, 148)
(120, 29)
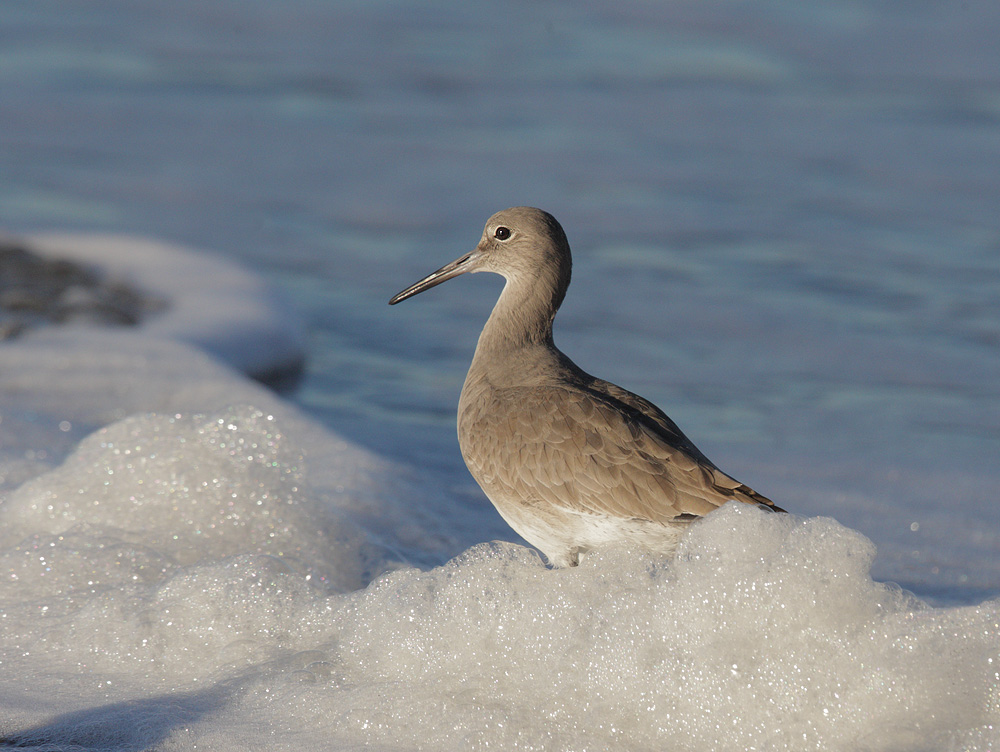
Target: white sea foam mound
(180, 490)
(176, 582)
(208, 301)
(765, 633)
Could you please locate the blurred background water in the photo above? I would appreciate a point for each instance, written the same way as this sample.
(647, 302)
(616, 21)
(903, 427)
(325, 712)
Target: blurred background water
(784, 215)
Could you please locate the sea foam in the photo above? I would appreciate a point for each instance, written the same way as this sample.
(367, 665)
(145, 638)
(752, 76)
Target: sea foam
(179, 557)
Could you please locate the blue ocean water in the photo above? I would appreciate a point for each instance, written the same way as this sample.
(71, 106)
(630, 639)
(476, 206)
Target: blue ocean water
(784, 217)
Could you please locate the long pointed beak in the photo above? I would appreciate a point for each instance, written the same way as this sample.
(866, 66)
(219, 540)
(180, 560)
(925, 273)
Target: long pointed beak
(446, 272)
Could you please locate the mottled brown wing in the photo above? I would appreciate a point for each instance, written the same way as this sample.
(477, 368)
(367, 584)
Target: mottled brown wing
(669, 433)
(591, 453)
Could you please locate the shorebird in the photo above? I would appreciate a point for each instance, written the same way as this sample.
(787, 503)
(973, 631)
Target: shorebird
(570, 461)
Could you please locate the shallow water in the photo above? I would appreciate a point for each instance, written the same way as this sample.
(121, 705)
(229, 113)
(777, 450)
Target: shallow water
(785, 234)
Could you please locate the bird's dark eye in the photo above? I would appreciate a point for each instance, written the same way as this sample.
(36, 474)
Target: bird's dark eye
(502, 233)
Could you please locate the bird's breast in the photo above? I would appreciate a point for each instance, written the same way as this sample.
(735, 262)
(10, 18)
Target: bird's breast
(491, 439)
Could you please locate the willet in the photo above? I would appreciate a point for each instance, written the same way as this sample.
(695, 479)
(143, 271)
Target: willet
(570, 461)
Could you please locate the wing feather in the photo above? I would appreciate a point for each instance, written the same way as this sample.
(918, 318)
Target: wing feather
(601, 451)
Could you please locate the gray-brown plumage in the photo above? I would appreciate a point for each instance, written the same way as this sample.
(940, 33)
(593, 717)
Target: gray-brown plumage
(570, 461)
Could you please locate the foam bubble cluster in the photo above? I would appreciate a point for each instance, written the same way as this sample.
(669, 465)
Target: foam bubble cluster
(764, 633)
(179, 489)
(178, 579)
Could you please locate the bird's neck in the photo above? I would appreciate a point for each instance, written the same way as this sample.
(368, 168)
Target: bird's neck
(521, 322)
